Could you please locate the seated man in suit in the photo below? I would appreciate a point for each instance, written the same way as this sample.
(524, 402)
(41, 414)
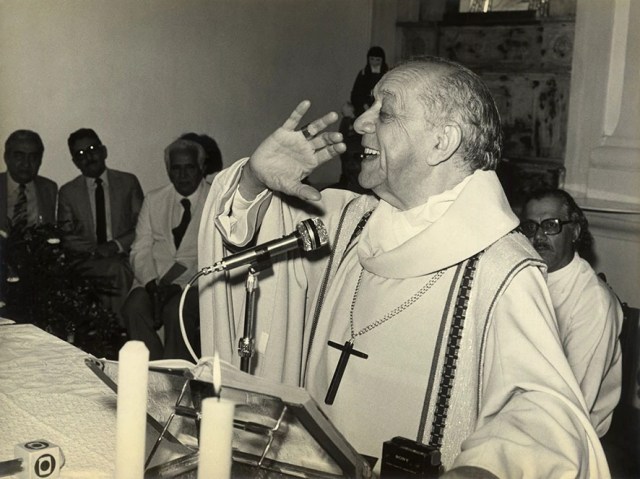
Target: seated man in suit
(164, 255)
(97, 212)
(588, 312)
(26, 198)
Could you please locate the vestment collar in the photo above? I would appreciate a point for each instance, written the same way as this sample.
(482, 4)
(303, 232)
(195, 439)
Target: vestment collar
(475, 219)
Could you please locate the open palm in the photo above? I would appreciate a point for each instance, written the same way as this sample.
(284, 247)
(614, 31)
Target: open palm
(286, 157)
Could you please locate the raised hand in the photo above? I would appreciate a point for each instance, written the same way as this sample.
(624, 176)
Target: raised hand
(287, 156)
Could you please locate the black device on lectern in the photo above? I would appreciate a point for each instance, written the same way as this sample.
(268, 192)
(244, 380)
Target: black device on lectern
(402, 457)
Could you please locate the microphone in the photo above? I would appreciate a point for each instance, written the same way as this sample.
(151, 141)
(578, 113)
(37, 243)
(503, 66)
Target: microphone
(309, 235)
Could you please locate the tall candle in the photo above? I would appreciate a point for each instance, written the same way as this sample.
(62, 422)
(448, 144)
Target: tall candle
(216, 437)
(217, 374)
(133, 371)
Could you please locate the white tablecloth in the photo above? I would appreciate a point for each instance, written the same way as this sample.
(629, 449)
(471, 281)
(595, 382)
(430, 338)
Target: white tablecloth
(47, 392)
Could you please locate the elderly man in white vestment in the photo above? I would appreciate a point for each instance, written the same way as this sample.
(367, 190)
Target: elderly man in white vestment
(426, 278)
(588, 312)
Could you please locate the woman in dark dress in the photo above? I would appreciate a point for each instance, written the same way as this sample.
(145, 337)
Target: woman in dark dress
(361, 97)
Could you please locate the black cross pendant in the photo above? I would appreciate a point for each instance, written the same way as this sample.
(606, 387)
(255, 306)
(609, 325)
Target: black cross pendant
(347, 351)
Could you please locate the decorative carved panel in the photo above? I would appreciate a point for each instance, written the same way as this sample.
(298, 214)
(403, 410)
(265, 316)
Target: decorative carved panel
(540, 47)
(533, 108)
(527, 66)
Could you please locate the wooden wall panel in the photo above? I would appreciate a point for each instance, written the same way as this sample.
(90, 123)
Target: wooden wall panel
(533, 107)
(539, 47)
(527, 66)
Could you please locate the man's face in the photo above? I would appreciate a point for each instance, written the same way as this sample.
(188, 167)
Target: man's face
(184, 172)
(397, 139)
(89, 156)
(23, 159)
(556, 250)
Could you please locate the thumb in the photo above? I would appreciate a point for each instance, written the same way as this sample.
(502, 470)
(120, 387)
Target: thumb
(305, 192)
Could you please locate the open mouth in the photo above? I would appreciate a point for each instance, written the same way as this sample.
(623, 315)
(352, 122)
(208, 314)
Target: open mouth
(369, 153)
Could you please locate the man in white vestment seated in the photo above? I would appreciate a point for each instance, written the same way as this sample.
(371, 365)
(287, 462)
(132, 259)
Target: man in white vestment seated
(439, 304)
(588, 312)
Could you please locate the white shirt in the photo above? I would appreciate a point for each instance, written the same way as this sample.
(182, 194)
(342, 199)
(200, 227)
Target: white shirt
(590, 318)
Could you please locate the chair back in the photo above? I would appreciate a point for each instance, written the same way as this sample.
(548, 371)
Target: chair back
(630, 346)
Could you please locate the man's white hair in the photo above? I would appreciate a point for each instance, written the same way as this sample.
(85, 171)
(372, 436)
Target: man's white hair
(185, 145)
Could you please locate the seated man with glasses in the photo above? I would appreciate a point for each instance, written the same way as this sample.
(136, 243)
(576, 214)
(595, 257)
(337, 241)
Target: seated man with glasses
(97, 212)
(588, 312)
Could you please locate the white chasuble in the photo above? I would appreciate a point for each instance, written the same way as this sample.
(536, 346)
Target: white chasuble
(395, 322)
(516, 409)
(395, 375)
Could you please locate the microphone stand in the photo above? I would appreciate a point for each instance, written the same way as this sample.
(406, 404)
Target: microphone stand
(246, 345)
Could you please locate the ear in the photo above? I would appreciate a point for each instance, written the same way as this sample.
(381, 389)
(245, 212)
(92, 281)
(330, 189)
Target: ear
(106, 152)
(577, 229)
(448, 141)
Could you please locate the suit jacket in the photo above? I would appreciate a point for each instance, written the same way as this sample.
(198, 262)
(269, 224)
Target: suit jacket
(46, 192)
(153, 252)
(76, 220)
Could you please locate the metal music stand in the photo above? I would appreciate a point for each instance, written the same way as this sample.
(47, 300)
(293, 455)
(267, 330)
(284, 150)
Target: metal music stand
(279, 430)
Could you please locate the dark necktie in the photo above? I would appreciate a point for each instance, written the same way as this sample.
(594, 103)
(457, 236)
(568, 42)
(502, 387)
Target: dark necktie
(101, 215)
(19, 218)
(178, 231)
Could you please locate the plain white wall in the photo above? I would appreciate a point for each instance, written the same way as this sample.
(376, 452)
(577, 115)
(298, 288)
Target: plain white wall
(603, 143)
(143, 72)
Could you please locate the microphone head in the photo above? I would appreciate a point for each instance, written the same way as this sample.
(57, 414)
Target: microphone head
(313, 234)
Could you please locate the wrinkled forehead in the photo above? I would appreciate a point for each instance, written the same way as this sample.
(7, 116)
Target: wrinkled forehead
(392, 91)
(547, 207)
(403, 84)
(183, 155)
(26, 145)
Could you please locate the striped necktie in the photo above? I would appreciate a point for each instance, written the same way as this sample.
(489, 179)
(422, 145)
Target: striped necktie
(19, 218)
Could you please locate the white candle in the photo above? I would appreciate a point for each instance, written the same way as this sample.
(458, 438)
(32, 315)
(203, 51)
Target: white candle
(216, 436)
(133, 371)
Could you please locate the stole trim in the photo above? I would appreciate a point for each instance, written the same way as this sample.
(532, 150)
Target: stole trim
(451, 354)
(436, 355)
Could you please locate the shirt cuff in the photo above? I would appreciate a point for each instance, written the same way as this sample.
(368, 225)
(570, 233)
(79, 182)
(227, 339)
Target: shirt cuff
(239, 224)
(120, 248)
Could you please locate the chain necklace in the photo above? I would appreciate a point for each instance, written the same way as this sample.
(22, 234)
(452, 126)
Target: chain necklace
(416, 296)
(347, 349)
